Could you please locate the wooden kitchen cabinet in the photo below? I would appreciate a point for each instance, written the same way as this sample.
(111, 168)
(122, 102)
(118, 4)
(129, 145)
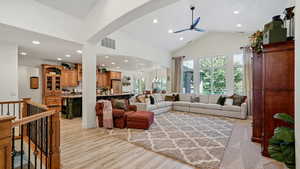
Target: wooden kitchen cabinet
(69, 78)
(102, 80)
(115, 75)
(52, 84)
(79, 72)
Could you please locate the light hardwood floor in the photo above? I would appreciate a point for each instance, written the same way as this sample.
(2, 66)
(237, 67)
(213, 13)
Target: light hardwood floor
(95, 149)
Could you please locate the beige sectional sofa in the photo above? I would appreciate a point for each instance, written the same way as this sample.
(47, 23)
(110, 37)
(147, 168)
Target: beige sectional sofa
(207, 105)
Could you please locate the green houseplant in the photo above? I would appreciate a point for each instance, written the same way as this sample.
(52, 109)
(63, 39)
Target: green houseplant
(282, 144)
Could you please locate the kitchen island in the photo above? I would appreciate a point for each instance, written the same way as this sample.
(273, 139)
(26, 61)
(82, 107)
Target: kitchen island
(72, 103)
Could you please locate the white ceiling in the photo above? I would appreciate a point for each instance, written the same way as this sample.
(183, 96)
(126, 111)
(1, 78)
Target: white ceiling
(77, 8)
(216, 16)
(52, 48)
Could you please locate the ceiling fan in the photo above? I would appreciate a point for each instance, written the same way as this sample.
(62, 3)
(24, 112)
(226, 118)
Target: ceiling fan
(194, 23)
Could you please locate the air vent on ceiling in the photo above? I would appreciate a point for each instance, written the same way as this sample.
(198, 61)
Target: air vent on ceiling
(108, 43)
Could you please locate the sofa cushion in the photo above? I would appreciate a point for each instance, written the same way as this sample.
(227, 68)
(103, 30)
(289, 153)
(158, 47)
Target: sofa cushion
(206, 106)
(185, 97)
(203, 99)
(231, 108)
(151, 107)
(213, 99)
(168, 103)
(158, 98)
(182, 103)
(161, 105)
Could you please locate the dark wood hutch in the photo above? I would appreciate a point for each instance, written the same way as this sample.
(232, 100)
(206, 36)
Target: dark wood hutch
(273, 89)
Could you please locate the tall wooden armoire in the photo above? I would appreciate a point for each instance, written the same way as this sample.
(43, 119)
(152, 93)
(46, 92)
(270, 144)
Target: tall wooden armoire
(277, 93)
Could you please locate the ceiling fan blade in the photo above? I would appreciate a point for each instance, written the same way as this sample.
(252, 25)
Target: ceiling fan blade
(196, 22)
(182, 30)
(199, 30)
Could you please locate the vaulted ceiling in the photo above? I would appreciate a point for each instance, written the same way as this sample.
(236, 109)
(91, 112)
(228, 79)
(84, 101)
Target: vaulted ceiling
(216, 16)
(76, 8)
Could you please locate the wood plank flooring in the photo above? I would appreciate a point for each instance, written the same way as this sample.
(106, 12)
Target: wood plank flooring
(95, 149)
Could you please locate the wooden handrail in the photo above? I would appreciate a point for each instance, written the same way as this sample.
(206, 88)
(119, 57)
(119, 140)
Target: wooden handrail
(11, 102)
(32, 118)
(37, 104)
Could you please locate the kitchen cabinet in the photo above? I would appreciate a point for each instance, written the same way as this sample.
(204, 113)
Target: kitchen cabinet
(52, 84)
(79, 72)
(115, 75)
(102, 80)
(69, 78)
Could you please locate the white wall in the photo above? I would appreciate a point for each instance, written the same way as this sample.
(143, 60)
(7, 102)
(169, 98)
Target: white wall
(214, 44)
(34, 16)
(8, 71)
(128, 46)
(30, 66)
(297, 85)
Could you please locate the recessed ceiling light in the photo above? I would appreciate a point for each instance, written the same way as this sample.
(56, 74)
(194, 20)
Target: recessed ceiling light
(155, 21)
(67, 55)
(239, 25)
(181, 38)
(106, 57)
(126, 60)
(170, 31)
(113, 63)
(79, 51)
(23, 53)
(236, 12)
(36, 42)
(59, 59)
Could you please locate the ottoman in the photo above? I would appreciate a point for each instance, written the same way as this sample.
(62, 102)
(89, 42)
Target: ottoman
(140, 119)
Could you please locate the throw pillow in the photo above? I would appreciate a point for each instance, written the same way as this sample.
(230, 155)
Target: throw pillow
(119, 104)
(169, 98)
(147, 101)
(141, 98)
(228, 101)
(195, 99)
(221, 100)
(176, 97)
(238, 100)
(152, 101)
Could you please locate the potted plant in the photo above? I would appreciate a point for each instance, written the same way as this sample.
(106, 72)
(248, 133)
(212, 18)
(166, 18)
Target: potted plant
(256, 41)
(282, 144)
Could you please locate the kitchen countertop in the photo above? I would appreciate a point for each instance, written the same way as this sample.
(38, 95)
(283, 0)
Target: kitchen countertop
(98, 95)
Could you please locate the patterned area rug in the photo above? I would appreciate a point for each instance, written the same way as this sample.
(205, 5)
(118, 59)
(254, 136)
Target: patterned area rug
(190, 138)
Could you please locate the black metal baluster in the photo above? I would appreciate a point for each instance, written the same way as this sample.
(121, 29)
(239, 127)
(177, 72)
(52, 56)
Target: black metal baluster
(1, 109)
(29, 142)
(47, 154)
(22, 146)
(13, 148)
(50, 148)
(7, 109)
(41, 164)
(36, 144)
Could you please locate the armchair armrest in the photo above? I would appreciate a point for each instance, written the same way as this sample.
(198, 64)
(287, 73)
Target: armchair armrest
(118, 113)
(99, 108)
(244, 110)
(132, 108)
(141, 106)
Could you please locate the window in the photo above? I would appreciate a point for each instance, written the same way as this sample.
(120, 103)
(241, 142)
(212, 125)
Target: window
(238, 72)
(212, 75)
(139, 85)
(188, 76)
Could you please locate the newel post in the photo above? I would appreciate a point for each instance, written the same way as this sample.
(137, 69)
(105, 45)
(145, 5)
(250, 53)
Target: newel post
(5, 141)
(55, 141)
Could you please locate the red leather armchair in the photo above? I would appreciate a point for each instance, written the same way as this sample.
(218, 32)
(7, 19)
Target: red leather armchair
(119, 115)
